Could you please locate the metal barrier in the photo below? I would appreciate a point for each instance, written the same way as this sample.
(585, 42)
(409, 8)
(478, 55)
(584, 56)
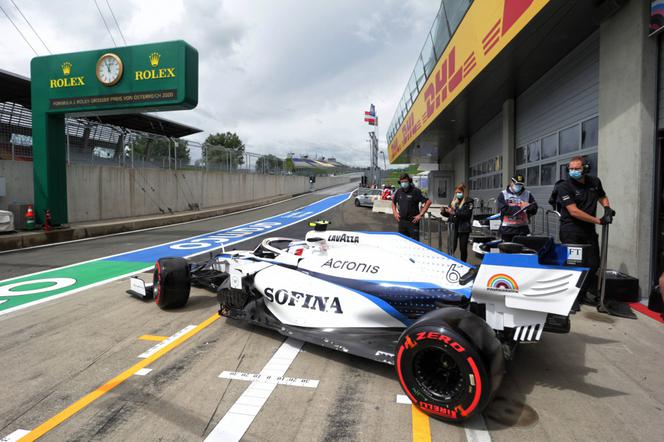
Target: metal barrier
(431, 223)
(90, 142)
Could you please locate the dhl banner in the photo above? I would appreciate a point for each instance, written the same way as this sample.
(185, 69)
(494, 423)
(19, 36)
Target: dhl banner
(487, 28)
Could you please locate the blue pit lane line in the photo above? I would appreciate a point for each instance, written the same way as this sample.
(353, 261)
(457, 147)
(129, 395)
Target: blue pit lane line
(27, 290)
(208, 242)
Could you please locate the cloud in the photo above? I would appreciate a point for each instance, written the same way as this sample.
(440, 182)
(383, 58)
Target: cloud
(287, 76)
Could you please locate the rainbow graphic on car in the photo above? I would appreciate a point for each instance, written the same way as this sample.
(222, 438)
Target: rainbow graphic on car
(502, 282)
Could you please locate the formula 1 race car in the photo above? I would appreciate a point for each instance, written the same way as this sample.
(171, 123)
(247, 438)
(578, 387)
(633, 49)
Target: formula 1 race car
(446, 326)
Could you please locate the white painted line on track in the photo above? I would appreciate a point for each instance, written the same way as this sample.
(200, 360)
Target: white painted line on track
(16, 435)
(476, 430)
(403, 399)
(258, 377)
(165, 342)
(152, 228)
(142, 372)
(136, 272)
(237, 420)
(317, 192)
(475, 427)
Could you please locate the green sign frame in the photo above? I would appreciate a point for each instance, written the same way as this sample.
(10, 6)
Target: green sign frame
(151, 77)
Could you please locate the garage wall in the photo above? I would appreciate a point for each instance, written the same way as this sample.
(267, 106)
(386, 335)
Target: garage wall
(563, 98)
(485, 164)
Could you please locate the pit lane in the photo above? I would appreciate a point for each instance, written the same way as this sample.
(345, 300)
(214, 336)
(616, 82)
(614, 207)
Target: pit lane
(602, 381)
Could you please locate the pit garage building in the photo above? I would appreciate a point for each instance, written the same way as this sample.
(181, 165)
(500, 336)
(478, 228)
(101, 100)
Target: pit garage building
(505, 86)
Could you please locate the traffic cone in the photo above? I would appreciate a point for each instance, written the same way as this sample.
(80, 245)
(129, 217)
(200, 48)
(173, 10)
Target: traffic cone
(47, 220)
(30, 218)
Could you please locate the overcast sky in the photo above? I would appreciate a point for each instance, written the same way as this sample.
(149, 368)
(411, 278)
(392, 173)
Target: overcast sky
(286, 75)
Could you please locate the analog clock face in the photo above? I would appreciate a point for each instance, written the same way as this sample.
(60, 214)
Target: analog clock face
(109, 69)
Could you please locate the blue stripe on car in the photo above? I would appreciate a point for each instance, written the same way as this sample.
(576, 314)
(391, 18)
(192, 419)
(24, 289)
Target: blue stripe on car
(527, 260)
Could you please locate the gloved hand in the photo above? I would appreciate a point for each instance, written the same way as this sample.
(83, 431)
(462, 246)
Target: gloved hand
(609, 213)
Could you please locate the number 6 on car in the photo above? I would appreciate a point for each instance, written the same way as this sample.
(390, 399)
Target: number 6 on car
(446, 326)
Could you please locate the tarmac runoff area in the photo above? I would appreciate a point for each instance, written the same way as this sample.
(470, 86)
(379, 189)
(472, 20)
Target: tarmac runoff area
(100, 365)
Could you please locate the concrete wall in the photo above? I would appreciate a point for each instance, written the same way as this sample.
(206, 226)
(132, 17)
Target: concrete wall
(627, 99)
(105, 192)
(18, 176)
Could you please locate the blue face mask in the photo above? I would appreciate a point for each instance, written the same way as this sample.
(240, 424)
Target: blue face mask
(576, 174)
(517, 188)
(459, 195)
(405, 185)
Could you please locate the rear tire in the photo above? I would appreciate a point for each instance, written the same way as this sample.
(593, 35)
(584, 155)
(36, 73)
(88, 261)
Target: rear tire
(446, 372)
(172, 283)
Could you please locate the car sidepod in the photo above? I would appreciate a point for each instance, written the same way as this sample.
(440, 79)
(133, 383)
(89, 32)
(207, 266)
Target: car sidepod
(298, 299)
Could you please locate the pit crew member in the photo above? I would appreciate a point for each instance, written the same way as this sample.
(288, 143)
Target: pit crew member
(406, 207)
(516, 206)
(578, 196)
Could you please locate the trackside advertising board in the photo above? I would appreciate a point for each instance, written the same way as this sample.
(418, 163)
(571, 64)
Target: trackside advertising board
(487, 28)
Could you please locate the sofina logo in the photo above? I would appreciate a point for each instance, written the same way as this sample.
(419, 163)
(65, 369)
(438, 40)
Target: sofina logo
(154, 74)
(502, 282)
(67, 81)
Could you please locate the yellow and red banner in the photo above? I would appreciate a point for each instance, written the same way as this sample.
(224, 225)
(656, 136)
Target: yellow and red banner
(487, 28)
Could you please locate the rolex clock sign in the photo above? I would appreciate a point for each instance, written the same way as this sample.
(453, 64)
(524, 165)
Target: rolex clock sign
(150, 77)
(157, 76)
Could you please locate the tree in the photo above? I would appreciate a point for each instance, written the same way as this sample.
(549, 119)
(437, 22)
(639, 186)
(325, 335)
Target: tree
(224, 149)
(289, 165)
(269, 163)
(155, 149)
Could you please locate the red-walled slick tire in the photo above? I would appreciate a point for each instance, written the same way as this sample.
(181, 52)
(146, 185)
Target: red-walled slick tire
(445, 372)
(172, 282)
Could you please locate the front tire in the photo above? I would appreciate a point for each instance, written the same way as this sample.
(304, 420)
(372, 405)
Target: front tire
(443, 371)
(357, 203)
(172, 283)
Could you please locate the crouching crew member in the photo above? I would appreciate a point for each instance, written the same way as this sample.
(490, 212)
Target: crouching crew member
(406, 207)
(511, 203)
(578, 196)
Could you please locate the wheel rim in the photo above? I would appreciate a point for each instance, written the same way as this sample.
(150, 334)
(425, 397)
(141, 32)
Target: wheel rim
(438, 374)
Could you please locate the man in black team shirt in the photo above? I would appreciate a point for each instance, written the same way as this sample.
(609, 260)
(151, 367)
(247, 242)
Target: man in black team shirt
(406, 207)
(578, 196)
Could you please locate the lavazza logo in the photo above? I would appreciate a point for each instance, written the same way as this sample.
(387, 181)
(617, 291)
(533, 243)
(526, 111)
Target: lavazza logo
(324, 304)
(344, 238)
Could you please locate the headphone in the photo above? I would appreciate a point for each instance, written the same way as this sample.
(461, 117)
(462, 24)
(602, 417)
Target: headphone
(585, 165)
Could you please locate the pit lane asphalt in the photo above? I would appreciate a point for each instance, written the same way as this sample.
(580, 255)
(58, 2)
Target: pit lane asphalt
(601, 382)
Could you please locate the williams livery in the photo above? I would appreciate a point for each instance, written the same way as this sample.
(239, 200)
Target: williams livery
(446, 326)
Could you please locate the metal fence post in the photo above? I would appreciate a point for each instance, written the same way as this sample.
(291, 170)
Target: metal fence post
(175, 154)
(428, 223)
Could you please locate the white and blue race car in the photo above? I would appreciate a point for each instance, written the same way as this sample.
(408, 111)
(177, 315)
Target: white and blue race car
(446, 326)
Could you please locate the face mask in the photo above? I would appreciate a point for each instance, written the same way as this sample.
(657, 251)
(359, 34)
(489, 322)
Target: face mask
(517, 187)
(459, 195)
(576, 174)
(405, 185)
